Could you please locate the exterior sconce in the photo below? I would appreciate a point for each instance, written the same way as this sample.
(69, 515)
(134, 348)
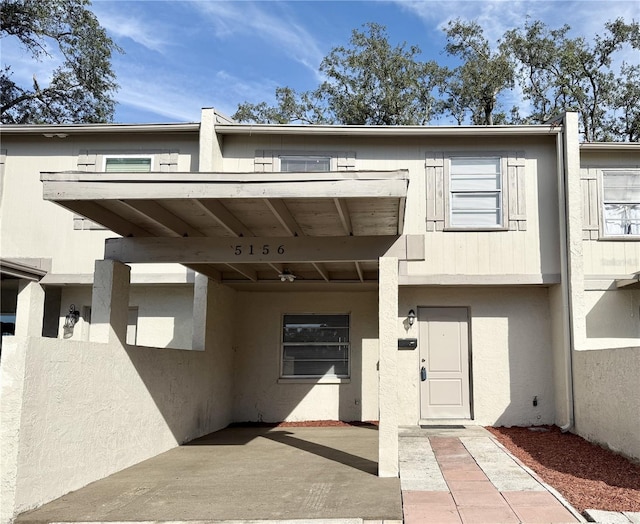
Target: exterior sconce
(411, 317)
(72, 317)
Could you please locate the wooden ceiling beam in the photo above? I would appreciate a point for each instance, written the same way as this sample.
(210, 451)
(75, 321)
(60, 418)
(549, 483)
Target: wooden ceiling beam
(163, 217)
(284, 216)
(320, 268)
(216, 210)
(107, 218)
(244, 271)
(343, 212)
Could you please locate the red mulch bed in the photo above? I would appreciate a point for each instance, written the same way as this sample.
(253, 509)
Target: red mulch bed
(587, 476)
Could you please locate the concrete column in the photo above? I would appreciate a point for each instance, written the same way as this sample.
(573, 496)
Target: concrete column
(110, 301)
(202, 292)
(210, 144)
(388, 374)
(30, 309)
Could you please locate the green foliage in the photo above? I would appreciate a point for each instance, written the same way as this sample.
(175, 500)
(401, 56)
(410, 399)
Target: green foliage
(81, 87)
(558, 73)
(368, 83)
(474, 86)
(371, 82)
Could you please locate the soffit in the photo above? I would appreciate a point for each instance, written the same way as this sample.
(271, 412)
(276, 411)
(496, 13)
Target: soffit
(332, 226)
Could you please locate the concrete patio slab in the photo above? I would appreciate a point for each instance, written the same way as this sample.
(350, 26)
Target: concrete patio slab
(243, 474)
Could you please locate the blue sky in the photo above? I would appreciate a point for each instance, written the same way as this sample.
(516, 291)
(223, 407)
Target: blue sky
(181, 56)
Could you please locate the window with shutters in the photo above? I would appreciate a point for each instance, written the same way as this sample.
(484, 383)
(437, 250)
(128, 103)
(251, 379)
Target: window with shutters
(315, 346)
(292, 161)
(122, 161)
(475, 192)
(621, 203)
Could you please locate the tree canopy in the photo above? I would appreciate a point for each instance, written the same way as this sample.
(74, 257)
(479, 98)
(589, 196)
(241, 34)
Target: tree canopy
(82, 83)
(540, 71)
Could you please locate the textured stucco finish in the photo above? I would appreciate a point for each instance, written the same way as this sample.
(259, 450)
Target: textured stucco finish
(607, 393)
(91, 409)
(259, 395)
(391, 383)
(162, 323)
(511, 347)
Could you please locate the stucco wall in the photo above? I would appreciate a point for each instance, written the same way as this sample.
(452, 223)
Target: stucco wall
(512, 355)
(165, 314)
(259, 395)
(90, 409)
(611, 318)
(607, 393)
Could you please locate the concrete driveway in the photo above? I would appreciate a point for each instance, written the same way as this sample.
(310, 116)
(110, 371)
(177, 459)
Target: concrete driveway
(243, 474)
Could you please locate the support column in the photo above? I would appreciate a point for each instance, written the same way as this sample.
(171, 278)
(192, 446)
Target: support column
(388, 367)
(110, 301)
(202, 291)
(30, 309)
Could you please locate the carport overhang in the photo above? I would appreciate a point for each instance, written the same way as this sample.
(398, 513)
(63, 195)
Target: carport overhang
(246, 229)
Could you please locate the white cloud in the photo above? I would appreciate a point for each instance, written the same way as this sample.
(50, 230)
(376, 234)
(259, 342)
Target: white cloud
(269, 22)
(140, 29)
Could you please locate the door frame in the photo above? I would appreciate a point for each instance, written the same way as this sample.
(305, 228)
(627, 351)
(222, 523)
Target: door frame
(469, 356)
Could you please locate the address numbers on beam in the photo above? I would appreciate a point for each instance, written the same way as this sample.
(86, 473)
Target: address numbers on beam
(264, 249)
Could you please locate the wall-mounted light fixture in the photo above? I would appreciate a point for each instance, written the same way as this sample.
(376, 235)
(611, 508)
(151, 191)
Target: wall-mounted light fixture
(72, 317)
(287, 276)
(411, 317)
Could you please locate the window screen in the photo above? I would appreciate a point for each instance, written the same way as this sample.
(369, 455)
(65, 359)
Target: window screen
(299, 164)
(475, 187)
(621, 202)
(131, 164)
(315, 346)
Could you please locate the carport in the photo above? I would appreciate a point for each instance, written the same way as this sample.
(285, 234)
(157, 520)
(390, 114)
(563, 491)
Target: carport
(243, 474)
(337, 232)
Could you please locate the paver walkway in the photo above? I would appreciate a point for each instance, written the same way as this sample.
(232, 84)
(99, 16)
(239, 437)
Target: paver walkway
(470, 479)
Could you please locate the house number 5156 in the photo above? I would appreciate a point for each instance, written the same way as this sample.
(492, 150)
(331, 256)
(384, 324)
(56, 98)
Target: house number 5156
(257, 250)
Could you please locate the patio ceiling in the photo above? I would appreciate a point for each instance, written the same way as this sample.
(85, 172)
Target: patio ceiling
(244, 228)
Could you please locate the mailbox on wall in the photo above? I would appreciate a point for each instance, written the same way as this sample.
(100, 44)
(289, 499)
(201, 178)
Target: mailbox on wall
(407, 343)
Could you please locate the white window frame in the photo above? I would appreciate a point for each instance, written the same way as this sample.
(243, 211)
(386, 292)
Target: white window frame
(151, 158)
(501, 193)
(603, 202)
(329, 377)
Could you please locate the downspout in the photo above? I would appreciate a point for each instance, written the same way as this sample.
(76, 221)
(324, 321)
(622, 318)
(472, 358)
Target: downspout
(564, 276)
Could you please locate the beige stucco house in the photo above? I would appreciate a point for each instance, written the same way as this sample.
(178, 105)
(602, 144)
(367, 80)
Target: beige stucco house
(160, 282)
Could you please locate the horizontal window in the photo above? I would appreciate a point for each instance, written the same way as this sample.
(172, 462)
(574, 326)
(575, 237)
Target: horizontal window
(315, 346)
(302, 164)
(127, 164)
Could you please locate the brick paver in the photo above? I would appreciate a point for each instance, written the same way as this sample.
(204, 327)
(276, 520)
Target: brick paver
(483, 485)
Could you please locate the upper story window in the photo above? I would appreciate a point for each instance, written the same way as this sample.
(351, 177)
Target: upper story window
(127, 164)
(315, 346)
(621, 203)
(475, 193)
(301, 161)
(305, 163)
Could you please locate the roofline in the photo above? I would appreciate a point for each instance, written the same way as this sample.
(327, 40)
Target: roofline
(62, 130)
(610, 146)
(341, 130)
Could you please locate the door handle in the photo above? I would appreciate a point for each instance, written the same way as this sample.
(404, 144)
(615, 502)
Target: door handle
(423, 374)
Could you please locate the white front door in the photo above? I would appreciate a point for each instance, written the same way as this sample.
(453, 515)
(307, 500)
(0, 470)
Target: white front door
(444, 362)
